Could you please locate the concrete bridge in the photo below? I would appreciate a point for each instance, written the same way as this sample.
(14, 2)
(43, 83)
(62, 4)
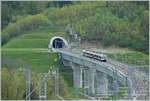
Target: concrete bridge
(93, 76)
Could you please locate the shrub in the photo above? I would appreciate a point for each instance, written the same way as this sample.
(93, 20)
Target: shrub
(38, 21)
(12, 84)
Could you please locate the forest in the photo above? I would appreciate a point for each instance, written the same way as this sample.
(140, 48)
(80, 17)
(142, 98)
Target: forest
(120, 23)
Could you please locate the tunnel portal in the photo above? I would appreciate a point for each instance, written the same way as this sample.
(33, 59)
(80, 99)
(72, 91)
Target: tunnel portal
(58, 42)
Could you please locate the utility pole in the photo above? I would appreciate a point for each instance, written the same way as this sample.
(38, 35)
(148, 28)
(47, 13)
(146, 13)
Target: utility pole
(27, 76)
(56, 76)
(43, 86)
(54, 72)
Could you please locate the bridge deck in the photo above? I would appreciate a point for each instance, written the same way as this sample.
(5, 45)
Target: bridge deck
(105, 67)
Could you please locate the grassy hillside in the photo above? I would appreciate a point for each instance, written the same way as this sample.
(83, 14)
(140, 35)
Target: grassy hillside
(37, 60)
(33, 40)
(135, 59)
(31, 50)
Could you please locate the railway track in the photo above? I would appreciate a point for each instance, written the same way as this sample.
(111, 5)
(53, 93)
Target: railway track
(140, 87)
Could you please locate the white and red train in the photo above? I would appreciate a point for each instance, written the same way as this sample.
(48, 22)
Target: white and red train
(94, 55)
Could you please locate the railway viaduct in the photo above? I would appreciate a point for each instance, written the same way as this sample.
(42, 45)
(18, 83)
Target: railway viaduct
(93, 76)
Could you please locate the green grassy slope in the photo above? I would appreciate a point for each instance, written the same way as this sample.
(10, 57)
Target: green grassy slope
(32, 49)
(135, 59)
(33, 40)
(36, 60)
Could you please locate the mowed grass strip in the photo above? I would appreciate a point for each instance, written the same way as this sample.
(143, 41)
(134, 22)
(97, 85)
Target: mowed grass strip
(37, 50)
(33, 40)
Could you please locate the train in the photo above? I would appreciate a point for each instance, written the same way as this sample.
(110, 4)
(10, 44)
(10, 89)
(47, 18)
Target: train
(95, 55)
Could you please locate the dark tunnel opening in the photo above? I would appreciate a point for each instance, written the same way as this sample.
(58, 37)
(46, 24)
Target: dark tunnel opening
(58, 43)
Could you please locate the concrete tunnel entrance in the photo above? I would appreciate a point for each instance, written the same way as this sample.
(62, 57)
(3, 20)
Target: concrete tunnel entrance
(58, 42)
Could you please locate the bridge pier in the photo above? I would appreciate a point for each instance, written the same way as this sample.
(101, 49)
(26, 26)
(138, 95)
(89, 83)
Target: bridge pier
(77, 75)
(89, 81)
(86, 81)
(101, 84)
(110, 85)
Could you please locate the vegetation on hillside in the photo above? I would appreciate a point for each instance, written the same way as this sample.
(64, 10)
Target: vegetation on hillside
(29, 23)
(121, 23)
(132, 58)
(24, 50)
(13, 85)
(33, 39)
(102, 21)
(27, 27)
(13, 11)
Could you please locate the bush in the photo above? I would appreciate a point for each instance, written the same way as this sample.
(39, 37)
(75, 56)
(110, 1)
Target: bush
(12, 85)
(38, 21)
